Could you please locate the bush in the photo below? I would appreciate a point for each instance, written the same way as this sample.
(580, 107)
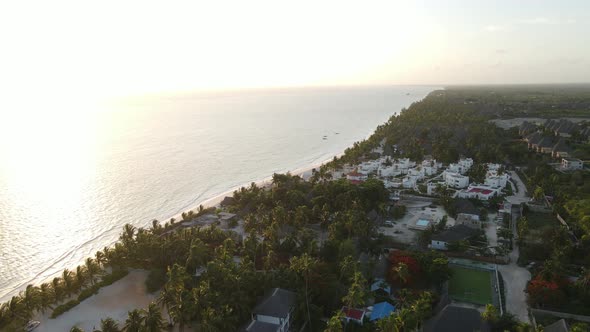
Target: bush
(88, 292)
(60, 309)
(111, 278)
(155, 280)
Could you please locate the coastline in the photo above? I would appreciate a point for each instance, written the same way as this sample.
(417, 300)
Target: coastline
(303, 169)
(213, 201)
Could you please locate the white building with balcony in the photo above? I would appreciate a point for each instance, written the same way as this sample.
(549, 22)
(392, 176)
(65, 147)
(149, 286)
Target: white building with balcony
(456, 180)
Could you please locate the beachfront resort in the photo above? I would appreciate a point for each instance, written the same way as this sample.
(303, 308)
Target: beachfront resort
(368, 241)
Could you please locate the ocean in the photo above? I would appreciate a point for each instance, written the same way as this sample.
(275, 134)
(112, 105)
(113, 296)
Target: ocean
(69, 181)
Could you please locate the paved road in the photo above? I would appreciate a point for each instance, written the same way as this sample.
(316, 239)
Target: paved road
(516, 277)
(521, 195)
(515, 280)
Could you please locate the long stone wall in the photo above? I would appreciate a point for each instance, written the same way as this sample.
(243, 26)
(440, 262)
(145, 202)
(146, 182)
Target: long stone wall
(561, 314)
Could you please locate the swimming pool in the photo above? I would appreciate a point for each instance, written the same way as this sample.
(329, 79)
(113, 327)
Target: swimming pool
(422, 222)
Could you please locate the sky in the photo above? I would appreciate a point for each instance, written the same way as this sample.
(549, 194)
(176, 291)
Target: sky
(92, 49)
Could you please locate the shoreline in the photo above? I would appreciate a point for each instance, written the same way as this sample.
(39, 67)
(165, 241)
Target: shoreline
(304, 172)
(212, 201)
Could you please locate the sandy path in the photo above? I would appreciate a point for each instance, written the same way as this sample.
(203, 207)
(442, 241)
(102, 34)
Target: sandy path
(112, 301)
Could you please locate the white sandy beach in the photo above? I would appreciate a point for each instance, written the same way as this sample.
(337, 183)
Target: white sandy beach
(112, 301)
(129, 293)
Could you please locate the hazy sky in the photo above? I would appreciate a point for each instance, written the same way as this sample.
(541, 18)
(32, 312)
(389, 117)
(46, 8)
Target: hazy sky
(83, 48)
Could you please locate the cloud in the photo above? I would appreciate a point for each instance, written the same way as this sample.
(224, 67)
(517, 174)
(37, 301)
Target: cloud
(546, 21)
(537, 20)
(495, 28)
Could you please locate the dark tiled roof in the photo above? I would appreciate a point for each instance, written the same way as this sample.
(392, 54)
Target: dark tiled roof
(455, 233)
(545, 142)
(560, 146)
(258, 326)
(457, 319)
(278, 303)
(533, 138)
(465, 206)
(559, 326)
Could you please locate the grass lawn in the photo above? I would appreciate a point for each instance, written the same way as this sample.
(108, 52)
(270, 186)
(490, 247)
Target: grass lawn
(473, 286)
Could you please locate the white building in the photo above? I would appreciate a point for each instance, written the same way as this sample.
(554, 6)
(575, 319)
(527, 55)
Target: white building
(274, 312)
(470, 220)
(481, 192)
(405, 163)
(385, 171)
(494, 167)
(430, 166)
(356, 176)
(498, 181)
(456, 180)
(571, 164)
(417, 172)
(466, 163)
(370, 166)
(409, 182)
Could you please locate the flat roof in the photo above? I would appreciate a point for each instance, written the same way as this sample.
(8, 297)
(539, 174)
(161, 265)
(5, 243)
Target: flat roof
(480, 190)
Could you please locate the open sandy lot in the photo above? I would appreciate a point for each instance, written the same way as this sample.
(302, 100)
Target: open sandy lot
(112, 301)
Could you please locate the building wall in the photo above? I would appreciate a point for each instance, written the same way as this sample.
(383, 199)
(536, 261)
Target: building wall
(439, 245)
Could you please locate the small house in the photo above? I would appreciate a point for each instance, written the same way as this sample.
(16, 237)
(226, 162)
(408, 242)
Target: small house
(571, 164)
(381, 287)
(381, 310)
(353, 314)
(273, 313)
(452, 235)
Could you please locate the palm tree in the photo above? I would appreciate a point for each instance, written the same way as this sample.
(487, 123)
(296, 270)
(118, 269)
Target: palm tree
(16, 309)
(402, 272)
(156, 227)
(172, 295)
(58, 290)
(68, 281)
(127, 236)
(100, 258)
(46, 295)
(76, 329)
(153, 321)
(109, 325)
(134, 321)
(303, 265)
(31, 299)
(80, 277)
(92, 269)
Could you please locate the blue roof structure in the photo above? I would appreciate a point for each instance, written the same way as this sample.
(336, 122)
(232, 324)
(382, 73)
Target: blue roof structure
(380, 284)
(381, 310)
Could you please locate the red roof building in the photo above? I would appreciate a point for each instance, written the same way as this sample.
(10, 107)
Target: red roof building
(353, 314)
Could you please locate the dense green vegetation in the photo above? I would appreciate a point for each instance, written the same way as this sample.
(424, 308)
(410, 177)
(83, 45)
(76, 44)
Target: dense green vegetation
(315, 237)
(511, 101)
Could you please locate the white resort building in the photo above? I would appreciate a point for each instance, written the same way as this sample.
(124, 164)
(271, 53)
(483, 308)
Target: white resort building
(455, 180)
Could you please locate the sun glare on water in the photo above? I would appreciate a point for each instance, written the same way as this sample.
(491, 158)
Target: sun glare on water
(46, 156)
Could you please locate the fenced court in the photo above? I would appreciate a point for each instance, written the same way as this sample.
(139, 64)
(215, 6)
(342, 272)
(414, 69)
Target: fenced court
(471, 285)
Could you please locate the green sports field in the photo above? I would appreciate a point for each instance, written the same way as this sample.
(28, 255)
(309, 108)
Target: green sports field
(468, 285)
